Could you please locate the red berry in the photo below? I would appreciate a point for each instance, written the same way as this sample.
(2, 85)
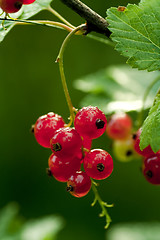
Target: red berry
(90, 122)
(66, 143)
(62, 169)
(11, 6)
(151, 169)
(45, 128)
(119, 126)
(79, 184)
(146, 152)
(98, 164)
(28, 1)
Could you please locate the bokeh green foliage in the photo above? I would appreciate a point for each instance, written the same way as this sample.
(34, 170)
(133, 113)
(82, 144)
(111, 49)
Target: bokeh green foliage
(29, 87)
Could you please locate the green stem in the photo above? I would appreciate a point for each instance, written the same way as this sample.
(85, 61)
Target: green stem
(102, 40)
(61, 68)
(102, 204)
(50, 9)
(140, 116)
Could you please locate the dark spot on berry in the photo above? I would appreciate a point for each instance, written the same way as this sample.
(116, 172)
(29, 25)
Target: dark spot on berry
(56, 147)
(69, 188)
(149, 174)
(129, 153)
(134, 136)
(32, 128)
(48, 171)
(100, 167)
(100, 123)
(18, 5)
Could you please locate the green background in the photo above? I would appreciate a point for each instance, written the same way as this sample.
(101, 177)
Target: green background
(30, 87)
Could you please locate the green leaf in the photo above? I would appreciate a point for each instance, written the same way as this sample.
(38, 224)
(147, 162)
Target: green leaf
(151, 127)
(136, 32)
(117, 88)
(25, 12)
(134, 231)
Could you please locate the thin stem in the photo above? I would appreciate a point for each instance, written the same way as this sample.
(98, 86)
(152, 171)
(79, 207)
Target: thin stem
(102, 40)
(140, 116)
(102, 204)
(50, 9)
(61, 68)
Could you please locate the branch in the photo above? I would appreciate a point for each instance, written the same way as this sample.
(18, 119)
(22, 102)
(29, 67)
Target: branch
(95, 22)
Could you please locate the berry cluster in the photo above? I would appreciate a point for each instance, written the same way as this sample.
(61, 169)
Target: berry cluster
(71, 148)
(126, 146)
(12, 6)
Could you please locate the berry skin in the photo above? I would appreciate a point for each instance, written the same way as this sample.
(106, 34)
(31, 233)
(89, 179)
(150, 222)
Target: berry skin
(79, 184)
(25, 2)
(98, 164)
(66, 143)
(146, 152)
(62, 170)
(151, 169)
(11, 6)
(90, 122)
(119, 126)
(45, 128)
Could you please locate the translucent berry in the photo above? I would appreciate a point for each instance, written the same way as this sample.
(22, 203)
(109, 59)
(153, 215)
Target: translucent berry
(28, 1)
(62, 169)
(66, 142)
(79, 184)
(45, 128)
(124, 150)
(11, 6)
(145, 152)
(98, 164)
(119, 126)
(151, 169)
(90, 122)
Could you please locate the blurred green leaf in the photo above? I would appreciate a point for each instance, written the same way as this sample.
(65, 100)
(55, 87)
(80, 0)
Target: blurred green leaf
(136, 33)
(135, 231)
(151, 127)
(117, 88)
(25, 12)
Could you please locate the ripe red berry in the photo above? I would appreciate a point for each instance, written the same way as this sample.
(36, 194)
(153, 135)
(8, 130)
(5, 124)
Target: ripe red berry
(119, 126)
(66, 143)
(151, 169)
(11, 6)
(98, 164)
(61, 169)
(79, 184)
(28, 1)
(45, 128)
(90, 122)
(146, 152)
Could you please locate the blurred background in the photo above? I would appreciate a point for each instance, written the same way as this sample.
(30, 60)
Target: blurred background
(30, 87)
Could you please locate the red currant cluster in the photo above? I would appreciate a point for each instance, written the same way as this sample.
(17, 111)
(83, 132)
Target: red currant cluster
(126, 146)
(12, 6)
(71, 148)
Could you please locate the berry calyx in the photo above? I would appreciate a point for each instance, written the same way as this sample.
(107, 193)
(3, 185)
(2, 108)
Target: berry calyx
(45, 128)
(25, 2)
(98, 164)
(90, 122)
(66, 143)
(151, 169)
(11, 6)
(79, 184)
(146, 152)
(119, 126)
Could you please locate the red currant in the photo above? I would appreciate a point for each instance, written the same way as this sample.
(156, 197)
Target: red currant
(79, 184)
(45, 128)
(28, 1)
(11, 6)
(119, 126)
(66, 143)
(145, 152)
(98, 164)
(151, 169)
(61, 169)
(90, 122)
